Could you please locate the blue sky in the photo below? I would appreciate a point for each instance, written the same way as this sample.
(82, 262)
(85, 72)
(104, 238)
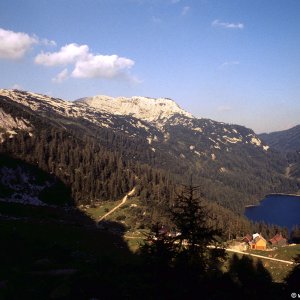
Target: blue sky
(231, 61)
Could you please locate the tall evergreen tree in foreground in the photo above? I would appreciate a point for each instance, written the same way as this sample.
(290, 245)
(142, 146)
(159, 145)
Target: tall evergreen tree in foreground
(192, 239)
(196, 239)
(186, 256)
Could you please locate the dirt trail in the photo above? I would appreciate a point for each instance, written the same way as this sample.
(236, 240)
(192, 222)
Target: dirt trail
(118, 206)
(288, 171)
(260, 256)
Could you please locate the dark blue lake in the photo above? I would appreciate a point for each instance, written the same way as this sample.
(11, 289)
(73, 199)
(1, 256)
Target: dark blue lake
(282, 210)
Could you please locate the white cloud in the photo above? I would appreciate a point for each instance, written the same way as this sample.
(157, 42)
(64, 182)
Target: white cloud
(86, 64)
(217, 23)
(67, 55)
(62, 76)
(14, 45)
(185, 10)
(47, 42)
(101, 66)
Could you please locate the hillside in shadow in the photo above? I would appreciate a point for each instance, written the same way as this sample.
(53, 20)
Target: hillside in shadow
(53, 251)
(58, 252)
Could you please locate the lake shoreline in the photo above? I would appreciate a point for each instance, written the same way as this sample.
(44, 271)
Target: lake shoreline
(282, 194)
(270, 195)
(276, 208)
(252, 205)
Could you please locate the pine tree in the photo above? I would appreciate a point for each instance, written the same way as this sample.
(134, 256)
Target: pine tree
(190, 217)
(158, 248)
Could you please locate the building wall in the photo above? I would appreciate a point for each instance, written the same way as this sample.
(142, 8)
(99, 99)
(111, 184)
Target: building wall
(261, 244)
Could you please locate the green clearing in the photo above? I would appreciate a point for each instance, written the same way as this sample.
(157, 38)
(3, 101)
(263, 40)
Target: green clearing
(134, 237)
(134, 243)
(284, 253)
(100, 209)
(129, 215)
(278, 270)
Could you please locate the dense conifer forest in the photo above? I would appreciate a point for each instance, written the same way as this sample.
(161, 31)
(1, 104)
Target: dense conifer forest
(95, 174)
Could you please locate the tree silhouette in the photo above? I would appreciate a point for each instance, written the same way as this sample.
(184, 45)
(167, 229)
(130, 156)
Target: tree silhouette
(293, 279)
(182, 260)
(250, 277)
(190, 218)
(158, 249)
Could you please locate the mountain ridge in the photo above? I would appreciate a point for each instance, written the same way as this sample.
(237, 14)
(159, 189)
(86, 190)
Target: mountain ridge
(284, 140)
(145, 108)
(87, 109)
(235, 167)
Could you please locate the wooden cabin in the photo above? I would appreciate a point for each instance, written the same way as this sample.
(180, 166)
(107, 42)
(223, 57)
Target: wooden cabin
(278, 240)
(247, 238)
(258, 242)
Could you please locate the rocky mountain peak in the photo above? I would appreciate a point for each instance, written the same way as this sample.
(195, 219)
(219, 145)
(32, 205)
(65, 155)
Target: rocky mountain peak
(144, 108)
(155, 119)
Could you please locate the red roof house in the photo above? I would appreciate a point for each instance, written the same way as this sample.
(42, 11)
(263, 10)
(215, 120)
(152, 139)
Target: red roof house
(278, 240)
(247, 238)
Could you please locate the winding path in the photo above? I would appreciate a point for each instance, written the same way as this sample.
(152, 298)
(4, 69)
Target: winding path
(118, 206)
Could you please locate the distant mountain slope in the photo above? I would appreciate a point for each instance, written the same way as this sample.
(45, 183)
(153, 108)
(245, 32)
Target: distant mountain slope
(285, 141)
(103, 144)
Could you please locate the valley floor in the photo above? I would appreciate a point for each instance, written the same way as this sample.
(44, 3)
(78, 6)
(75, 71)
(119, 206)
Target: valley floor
(54, 253)
(278, 262)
